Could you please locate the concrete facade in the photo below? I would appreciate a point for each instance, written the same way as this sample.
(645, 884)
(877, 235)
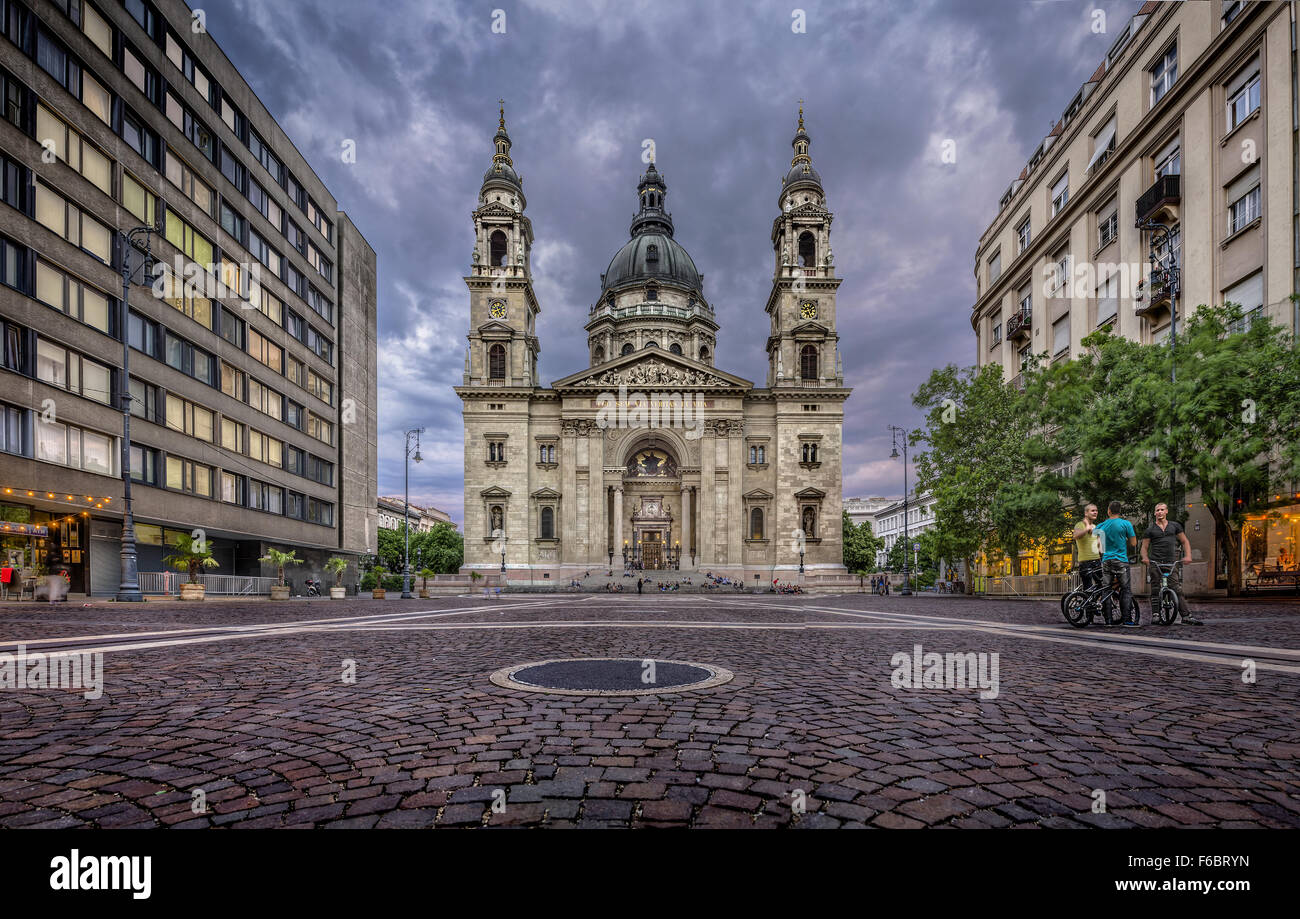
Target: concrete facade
(652, 449)
(254, 365)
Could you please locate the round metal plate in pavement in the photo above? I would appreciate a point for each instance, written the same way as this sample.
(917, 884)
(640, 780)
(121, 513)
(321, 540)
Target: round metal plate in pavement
(610, 676)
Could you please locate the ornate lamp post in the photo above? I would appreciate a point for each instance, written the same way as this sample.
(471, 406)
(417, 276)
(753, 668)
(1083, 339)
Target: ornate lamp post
(503, 554)
(413, 434)
(899, 434)
(611, 556)
(128, 590)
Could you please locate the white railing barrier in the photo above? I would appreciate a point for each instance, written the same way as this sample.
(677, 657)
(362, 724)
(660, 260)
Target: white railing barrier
(168, 583)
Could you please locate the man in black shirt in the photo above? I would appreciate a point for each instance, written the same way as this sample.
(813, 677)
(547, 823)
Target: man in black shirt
(1163, 543)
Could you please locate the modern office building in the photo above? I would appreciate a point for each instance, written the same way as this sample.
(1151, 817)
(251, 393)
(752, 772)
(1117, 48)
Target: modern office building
(252, 383)
(1190, 122)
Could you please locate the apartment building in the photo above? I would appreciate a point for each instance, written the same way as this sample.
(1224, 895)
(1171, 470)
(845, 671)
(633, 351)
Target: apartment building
(252, 385)
(889, 523)
(1188, 123)
(393, 512)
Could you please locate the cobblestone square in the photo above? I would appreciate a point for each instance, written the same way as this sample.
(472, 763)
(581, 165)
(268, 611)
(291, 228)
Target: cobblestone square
(250, 704)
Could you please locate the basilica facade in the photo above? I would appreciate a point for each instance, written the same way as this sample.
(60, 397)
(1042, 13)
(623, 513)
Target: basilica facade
(651, 456)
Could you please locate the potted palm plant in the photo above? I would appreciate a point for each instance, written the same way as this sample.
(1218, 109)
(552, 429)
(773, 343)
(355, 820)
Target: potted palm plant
(378, 592)
(336, 566)
(191, 556)
(425, 574)
(279, 560)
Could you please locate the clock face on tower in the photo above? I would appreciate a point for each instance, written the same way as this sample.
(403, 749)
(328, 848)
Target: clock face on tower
(808, 309)
(498, 309)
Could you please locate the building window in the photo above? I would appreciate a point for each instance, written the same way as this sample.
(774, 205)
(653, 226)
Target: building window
(1026, 299)
(675, 348)
(1061, 272)
(1061, 336)
(496, 451)
(70, 295)
(1107, 299)
(497, 362)
(807, 249)
(598, 355)
(69, 370)
(1107, 224)
(188, 418)
(757, 455)
(144, 464)
(995, 266)
(1243, 96)
(1243, 201)
(808, 362)
(652, 293)
(319, 428)
(756, 523)
(808, 452)
(1024, 234)
(627, 348)
(546, 453)
(704, 354)
(69, 146)
(145, 400)
(1103, 144)
(497, 249)
(67, 220)
(264, 399)
(1164, 74)
(1060, 193)
(74, 447)
(1249, 295)
(1169, 161)
(548, 523)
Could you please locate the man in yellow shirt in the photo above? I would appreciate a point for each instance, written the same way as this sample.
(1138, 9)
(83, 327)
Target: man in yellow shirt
(1087, 548)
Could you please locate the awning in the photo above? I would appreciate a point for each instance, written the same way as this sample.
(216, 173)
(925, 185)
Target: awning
(1104, 140)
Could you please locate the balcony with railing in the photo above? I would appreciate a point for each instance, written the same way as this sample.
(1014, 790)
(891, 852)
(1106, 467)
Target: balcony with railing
(1019, 324)
(1166, 190)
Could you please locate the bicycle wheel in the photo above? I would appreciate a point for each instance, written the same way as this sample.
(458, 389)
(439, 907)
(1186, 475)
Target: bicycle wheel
(1074, 606)
(1168, 610)
(1111, 611)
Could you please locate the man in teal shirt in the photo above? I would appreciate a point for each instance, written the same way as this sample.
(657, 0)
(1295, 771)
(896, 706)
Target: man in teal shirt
(1117, 537)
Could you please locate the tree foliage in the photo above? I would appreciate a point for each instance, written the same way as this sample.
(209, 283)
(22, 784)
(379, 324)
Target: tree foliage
(860, 545)
(441, 548)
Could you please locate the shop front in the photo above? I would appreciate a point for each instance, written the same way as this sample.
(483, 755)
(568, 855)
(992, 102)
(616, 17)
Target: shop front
(1270, 542)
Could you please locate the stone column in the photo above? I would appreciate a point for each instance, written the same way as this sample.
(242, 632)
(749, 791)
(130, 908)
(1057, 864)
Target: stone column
(735, 526)
(569, 488)
(618, 521)
(708, 497)
(686, 526)
(595, 506)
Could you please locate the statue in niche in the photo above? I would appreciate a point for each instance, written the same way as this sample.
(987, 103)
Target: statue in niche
(496, 519)
(808, 519)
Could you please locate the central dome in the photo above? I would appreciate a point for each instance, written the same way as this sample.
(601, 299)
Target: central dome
(651, 256)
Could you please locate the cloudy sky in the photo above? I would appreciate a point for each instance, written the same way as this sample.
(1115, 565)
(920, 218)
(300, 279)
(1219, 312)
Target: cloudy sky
(716, 86)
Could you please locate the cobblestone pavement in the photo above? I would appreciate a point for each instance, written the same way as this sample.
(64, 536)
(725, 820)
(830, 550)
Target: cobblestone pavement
(247, 703)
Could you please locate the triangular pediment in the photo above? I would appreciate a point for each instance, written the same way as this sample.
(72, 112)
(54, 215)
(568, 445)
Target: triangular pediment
(495, 209)
(810, 493)
(494, 491)
(758, 494)
(808, 209)
(495, 326)
(653, 368)
(546, 493)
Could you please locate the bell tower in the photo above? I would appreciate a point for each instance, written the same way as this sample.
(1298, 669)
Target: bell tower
(503, 345)
(802, 345)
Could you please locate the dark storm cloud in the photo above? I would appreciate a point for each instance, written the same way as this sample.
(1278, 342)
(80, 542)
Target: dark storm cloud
(716, 86)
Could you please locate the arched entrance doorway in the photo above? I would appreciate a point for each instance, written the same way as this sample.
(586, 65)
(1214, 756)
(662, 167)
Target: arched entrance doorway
(652, 486)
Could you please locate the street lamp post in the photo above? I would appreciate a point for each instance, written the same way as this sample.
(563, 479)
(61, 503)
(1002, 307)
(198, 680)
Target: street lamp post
(900, 434)
(128, 590)
(503, 555)
(1161, 237)
(413, 434)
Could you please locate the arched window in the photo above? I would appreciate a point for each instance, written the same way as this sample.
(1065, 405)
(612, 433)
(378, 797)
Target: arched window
(627, 348)
(756, 523)
(497, 362)
(652, 344)
(599, 354)
(704, 354)
(808, 362)
(675, 348)
(548, 523)
(807, 249)
(652, 253)
(497, 248)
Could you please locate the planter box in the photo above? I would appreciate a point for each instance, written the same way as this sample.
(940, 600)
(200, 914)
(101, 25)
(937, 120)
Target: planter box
(338, 593)
(279, 593)
(377, 594)
(424, 593)
(192, 591)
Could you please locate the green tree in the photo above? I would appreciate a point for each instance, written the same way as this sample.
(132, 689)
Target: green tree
(860, 545)
(981, 463)
(1228, 428)
(441, 548)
